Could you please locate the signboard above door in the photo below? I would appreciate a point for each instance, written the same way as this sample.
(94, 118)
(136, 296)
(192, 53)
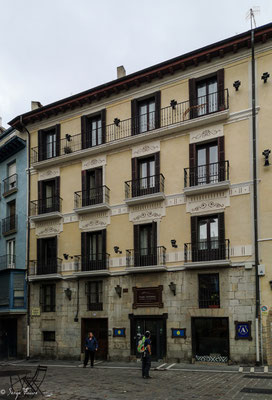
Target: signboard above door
(148, 297)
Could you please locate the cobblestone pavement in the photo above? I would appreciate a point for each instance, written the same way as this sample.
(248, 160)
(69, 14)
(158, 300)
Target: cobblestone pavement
(122, 381)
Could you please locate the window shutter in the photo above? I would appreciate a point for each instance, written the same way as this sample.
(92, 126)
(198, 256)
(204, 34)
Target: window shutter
(154, 236)
(220, 88)
(134, 176)
(53, 297)
(57, 128)
(57, 193)
(84, 250)
(55, 248)
(194, 238)
(84, 132)
(40, 197)
(103, 124)
(136, 245)
(84, 187)
(134, 117)
(221, 158)
(40, 146)
(192, 98)
(221, 236)
(157, 172)
(41, 295)
(104, 246)
(192, 164)
(157, 109)
(39, 252)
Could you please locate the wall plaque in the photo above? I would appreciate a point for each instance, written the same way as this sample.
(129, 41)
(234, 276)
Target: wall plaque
(119, 332)
(148, 297)
(243, 330)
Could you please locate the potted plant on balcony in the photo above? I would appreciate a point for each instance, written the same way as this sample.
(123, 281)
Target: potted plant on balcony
(214, 299)
(67, 149)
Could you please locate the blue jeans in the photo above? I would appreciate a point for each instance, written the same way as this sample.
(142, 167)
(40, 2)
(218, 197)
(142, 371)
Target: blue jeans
(146, 364)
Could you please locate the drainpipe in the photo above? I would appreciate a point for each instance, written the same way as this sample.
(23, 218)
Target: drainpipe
(255, 199)
(28, 240)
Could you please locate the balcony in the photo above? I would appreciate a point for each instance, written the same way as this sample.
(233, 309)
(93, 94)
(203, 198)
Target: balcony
(10, 185)
(93, 264)
(146, 260)
(9, 225)
(45, 269)
(7, 261)
(174, 118)
(45, 209)
(206, 178)
(96, 199)
(205, 254)
(144, 190)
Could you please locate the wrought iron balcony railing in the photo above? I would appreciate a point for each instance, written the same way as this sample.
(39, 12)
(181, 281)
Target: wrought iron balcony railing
(92, 262)
(209, 299)
(146, 257)
(207, 251)
(205, 174)
(44, 206)
(174, 114)
(10, 183)
(144, 186)
(91, 197)
(9, 224)
(45, 266)
(7, 261)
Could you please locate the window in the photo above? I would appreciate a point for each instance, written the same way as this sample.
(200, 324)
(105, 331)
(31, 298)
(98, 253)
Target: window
(93, 129)
(49, 336)
(94, 295)
(145, 113)
(48, 297)
(10, 224)
(146, 178)
(208, 291)
(10, 183)
(145, 244)
(94, 255)
(208, 238)
(92, 189)
(11, 253)
(49, 198)
(47, 262)
(49, 143)
(207, 162)
(207, 94)
(19, 290)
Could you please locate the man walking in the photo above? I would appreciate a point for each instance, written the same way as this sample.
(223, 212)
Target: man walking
(146, 356)
(91, 347)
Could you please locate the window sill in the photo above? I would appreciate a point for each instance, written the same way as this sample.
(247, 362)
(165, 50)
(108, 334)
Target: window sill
(92, 208)
(207, 264)
(145, 199)
(46, 216)
(210, 187)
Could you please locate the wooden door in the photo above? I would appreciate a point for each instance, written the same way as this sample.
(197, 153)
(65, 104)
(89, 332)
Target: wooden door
(99, 327)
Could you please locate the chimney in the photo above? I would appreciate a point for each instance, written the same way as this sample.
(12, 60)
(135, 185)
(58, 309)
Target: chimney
(121, 72)
(35, 105)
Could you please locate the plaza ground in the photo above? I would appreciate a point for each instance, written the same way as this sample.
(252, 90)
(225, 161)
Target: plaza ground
(115, 381)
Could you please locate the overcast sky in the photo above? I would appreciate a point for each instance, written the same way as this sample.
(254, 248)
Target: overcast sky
(51, 49)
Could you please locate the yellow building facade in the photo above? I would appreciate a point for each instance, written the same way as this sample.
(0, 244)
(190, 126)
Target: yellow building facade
(141, 211)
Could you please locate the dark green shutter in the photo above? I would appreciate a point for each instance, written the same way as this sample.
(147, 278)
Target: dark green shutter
(192, 99)
(103, 125)
(157, 109)
(221, 158)
(192, 164)
(57, 130)
(134, 117)
(84, 132)
(84, 188)
(194, 238)
(40, 146)
(220, 87)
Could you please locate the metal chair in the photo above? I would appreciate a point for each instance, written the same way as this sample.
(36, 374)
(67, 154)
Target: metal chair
(33, 383)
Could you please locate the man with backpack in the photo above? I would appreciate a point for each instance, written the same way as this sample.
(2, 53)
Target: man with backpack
(146, 355)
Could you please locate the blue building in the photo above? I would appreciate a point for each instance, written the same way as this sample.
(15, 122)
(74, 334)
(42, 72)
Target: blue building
(13, 214)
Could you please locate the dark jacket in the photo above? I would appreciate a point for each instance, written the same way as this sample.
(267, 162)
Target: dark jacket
(91, 343)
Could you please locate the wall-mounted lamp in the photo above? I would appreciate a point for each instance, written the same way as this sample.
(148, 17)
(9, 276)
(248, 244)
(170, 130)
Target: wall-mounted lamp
(266, 157)
(265, 76)
(68, 293)
(174, 243)
(236, 85)
(173, 287)
(173, 104)
(118, 290)
(65, 256)
(116, 250)
(116, 121)
(68, 137)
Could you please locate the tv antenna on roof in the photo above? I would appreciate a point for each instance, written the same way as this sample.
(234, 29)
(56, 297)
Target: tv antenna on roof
(251, 15)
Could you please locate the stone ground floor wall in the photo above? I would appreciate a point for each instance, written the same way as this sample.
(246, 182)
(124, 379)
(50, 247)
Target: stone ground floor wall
(237, 303)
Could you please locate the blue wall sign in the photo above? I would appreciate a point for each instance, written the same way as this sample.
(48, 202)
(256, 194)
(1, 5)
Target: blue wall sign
(121, 332)
(178, 333)
(243, 330)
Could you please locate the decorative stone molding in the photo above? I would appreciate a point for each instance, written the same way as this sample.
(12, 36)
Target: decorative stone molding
(49, 228)
(143, 150)
(208, 202)
(175, 201)
(241, 251)
(243, 189)
(94, 162)
(120, 210)
(94, 222)
(70, 218)
(205, 134)
(49, 173)
(147, 212)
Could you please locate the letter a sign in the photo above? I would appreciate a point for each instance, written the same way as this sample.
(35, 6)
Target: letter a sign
(243, 330)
